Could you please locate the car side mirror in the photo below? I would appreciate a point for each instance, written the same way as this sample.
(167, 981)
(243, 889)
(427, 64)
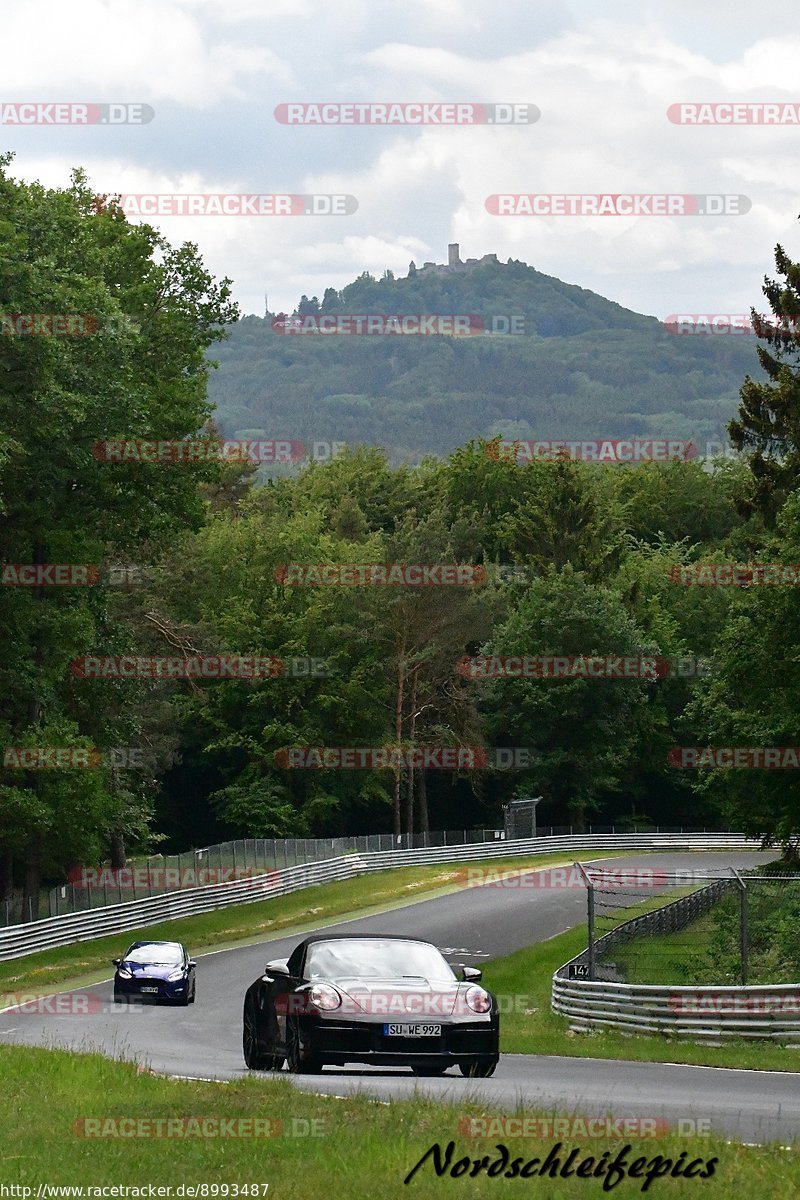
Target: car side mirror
(471, 974)
(116, 961)
(278, 966)
(191, 963)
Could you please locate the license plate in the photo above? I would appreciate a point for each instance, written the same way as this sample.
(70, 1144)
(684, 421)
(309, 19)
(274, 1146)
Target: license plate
(412, 1031)
(148, 989)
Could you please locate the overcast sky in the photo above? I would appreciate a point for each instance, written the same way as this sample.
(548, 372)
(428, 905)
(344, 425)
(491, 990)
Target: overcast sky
(215, 71)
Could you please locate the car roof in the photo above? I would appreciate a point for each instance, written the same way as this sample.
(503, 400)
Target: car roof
(358, 937)
(153, 942)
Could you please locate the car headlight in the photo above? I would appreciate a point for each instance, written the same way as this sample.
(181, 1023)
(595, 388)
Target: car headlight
(478, 1000)
(175, 975)
(124, 973)
(324, 997)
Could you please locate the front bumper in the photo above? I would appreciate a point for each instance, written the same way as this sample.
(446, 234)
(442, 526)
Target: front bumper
(132, 989)
(365, 1042)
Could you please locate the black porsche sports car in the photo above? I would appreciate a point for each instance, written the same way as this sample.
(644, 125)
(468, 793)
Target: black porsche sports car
(390, 1001)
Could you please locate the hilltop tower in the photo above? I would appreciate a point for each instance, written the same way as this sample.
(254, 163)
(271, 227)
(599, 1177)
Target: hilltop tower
(453, 259)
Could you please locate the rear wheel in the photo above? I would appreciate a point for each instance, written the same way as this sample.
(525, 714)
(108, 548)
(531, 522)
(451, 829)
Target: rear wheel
(478, 1068)
(298, 1063)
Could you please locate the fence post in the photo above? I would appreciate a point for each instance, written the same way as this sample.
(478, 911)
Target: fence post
(743, 937)
(589, 917)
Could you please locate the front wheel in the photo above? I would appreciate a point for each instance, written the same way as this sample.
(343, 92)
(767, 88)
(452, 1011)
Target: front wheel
(478, 1068)
(254, 1056)
(311, 1064)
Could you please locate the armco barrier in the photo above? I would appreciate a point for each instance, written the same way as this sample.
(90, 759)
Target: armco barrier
(19, 940)
(701, 1013)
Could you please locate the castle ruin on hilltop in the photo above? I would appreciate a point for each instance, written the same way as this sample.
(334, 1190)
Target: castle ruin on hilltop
(453, 263)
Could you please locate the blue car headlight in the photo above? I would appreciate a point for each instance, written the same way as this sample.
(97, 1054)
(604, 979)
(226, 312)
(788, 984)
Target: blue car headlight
(175, 975)
(124, 973)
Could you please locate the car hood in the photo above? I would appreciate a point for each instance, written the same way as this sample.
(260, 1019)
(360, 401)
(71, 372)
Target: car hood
(149, 970)
(423, 999)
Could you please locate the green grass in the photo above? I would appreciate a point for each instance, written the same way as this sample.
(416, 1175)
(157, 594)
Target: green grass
(673, 958)
(361, 1148)
(89, 962)
(522, 981)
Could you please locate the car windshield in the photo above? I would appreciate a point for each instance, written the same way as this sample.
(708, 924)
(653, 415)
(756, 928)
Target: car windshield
(375, 958)
(155, 955)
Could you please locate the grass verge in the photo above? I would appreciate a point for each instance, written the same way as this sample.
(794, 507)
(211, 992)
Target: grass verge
(359, 1148)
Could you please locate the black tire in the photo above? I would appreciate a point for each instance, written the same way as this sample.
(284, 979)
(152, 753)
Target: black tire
(299, 1065)
(429, 1069)
(119, 997)
(478, 1068)
(254, 1056)
(194, 992)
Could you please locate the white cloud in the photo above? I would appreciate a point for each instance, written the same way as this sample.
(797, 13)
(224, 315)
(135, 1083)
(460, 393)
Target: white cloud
(125, 50)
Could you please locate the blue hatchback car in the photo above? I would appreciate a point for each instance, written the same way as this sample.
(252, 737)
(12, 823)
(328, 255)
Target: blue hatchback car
(155, 971)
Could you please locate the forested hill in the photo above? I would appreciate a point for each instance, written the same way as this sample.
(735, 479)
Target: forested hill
(583, 367)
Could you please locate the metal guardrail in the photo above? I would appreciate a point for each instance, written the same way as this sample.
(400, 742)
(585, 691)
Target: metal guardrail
(769, 1011)
(710, 1012)
(19, 940)
(204, 866)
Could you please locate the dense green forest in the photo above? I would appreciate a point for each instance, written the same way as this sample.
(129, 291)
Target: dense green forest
(583, 367)
(194, 559)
